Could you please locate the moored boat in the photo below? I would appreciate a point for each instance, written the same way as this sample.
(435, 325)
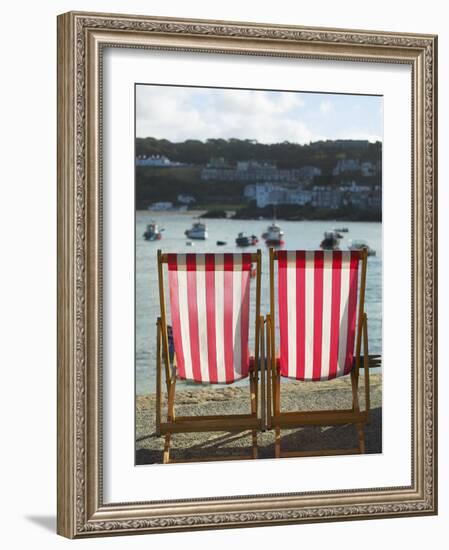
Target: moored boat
(197, 231)
(331, 241)
(152, 232)
(359, 244)
(273, 235)
(338, 233)
(244, 240)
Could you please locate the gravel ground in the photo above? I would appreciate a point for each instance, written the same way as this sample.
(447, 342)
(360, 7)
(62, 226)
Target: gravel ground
(233, 400)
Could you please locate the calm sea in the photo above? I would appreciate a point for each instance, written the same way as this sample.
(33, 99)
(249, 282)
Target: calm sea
(298, 235)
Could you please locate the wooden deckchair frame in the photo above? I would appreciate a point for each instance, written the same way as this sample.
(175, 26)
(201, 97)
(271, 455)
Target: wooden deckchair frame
(286, 420)
(228, 423)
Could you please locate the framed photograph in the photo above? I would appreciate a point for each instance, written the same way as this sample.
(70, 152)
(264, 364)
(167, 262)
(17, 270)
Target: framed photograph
(246, 274)
(262, 180)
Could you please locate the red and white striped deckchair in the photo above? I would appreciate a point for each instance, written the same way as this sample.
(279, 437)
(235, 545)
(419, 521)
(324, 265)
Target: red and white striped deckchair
(209, 298)
(322, 321)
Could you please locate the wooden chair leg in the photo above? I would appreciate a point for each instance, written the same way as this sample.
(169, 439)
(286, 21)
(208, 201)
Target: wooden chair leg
(254, 448)
(262, 370)
(158, 379)
(361, 434)
(253, 391)
(355, 392)
(171, 401)
(356, 408)
(170, 418)
(277, 410)
(275, 391)
(166, 455)
(366, 367)
(268, 373)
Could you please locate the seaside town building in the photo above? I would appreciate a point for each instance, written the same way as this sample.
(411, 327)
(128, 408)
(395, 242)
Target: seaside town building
(161, 206)
(270, 193)
(185, 199)
(218, 169)
(157, 161)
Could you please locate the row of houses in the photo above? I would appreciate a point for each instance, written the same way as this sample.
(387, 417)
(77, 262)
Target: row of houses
(218, 169)
(354, 166)
(269, 193)
(158, 161)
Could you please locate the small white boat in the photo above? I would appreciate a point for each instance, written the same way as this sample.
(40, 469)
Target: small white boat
(273, 235)
(152, 232)
(359, 244)
(197, 231)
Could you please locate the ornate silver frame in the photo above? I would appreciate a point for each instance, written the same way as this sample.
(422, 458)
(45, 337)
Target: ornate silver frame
(81, 37)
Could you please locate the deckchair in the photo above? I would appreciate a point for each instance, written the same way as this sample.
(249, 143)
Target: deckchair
(209, 297)
(318, 296)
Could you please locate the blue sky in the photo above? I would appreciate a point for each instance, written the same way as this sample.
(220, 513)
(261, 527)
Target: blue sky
(180, 113)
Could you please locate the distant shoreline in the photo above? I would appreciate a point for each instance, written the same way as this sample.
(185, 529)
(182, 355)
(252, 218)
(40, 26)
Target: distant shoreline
(259, 216)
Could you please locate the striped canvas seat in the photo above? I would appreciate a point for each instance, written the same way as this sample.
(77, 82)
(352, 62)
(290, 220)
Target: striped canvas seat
(317, 293)
(209, 301)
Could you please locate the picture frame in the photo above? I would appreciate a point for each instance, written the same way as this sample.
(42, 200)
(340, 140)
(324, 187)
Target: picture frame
(82, 40)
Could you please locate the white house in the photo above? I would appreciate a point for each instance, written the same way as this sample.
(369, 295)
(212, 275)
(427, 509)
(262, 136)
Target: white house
(346, 165)
(270, 193)
(300, 196)
(250, 191)
(368, 169)
(157, 161)
(161, 206)
(186, 199)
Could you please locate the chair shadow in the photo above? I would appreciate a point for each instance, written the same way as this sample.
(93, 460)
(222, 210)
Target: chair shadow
(311, 438)
(212, 444)
(46, 522)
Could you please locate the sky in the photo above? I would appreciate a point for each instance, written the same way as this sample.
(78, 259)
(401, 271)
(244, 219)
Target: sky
(180, 113)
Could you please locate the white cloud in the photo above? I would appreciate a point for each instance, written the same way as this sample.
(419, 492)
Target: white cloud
(325, 106)
(182, 113)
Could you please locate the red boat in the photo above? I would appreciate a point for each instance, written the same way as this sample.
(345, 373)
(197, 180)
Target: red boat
(152, 232)
(273, 235)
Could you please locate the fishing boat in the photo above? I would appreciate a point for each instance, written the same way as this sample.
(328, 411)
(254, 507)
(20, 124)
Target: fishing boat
(359, 245)
(244, 240)
(331, 241)
(197, 231)
(273, 235)
(152, 232)
(341, 229)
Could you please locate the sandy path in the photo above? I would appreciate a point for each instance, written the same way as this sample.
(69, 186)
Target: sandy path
(231, 400)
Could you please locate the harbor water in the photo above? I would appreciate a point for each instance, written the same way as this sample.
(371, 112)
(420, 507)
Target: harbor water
(299, 235)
